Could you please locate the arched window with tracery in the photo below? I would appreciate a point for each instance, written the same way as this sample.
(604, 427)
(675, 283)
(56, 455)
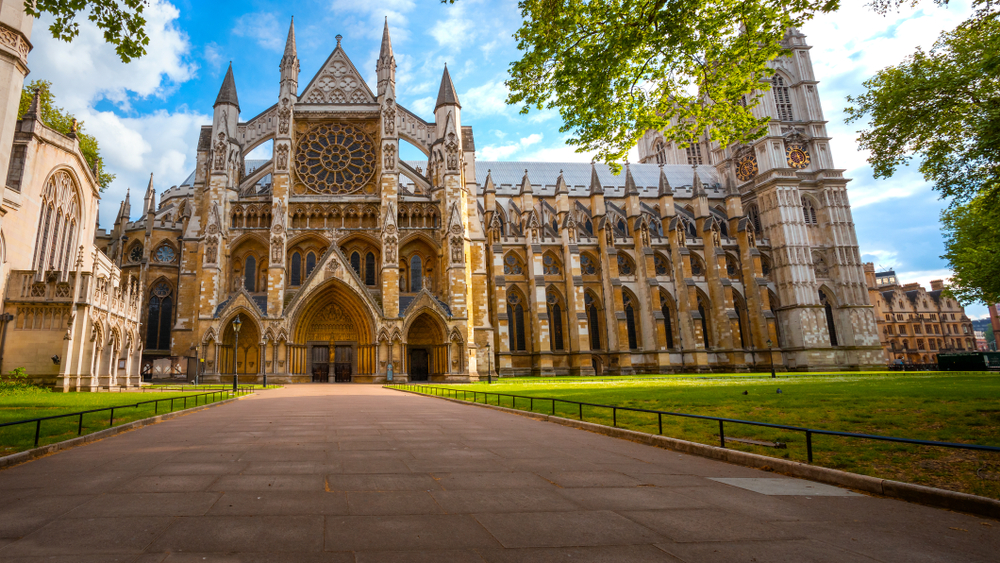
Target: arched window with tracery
(588, 266)
(356, 262)
(310, 263)
(831, 325)
(661, 265)
(370, 269)
(694, 153)
(512, 265)
(515, 321)
(753, 214)
(782, 98)
(250, 274)
(809, 211)
(550, 265)
(160, 314)
(660, 151)
(416, 273)
(555, 320)
(594, 319)
(625, 265)
(702, 311)
(629, 305)
(57, 222)
(296, 275)
(668, 327)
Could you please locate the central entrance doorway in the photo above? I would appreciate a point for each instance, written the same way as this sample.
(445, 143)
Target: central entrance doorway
(343, 363)
(321, 364)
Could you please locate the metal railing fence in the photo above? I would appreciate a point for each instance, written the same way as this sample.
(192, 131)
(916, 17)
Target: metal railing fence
(809, 432)
(209, 397)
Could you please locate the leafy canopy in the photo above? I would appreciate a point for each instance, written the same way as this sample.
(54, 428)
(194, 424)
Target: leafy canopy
(121, 21)
(943, 107)
(60, 120)
(617, 68)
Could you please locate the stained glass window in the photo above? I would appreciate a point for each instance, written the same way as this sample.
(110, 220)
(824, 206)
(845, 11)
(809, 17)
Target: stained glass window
(511, 265)
(165, 253)
(587, 266)
(624, 265)
(136, 254)
(549, 266)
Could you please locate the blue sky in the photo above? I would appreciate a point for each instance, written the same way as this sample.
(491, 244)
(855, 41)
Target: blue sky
(146, 114)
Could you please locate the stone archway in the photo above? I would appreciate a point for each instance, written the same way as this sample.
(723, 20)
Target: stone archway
(248, 357)
(334, 337)
(426, 348)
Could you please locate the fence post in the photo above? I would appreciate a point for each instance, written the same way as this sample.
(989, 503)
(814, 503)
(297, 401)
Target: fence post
(112, 421)
(809, 446)
(79, 430)
(659, 420)
(38, 430)
(722, 434)
(553, 407)
(581, 410)
(614, 417)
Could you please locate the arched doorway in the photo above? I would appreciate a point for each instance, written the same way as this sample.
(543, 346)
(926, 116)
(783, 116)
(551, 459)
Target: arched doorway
(333, 337)
(426, 353)
(247, 349)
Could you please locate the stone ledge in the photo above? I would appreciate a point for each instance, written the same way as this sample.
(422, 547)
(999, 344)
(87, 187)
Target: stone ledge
(931, 496)
(32, 454)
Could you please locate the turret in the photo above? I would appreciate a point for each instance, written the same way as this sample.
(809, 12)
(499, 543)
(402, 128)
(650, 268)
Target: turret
(699, 195)
(631, 193)
(149, 201)
(489, 193)
(734, 205)
(666, 197)
(596, 193)
(447, 103)
(227, 107)
(386, 66)
(290, 63)
(527, 199)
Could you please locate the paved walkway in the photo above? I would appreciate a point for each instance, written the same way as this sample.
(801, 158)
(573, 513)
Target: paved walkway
(357, 473)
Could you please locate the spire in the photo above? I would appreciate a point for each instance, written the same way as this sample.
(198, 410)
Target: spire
(150, 199)
(595, 183)
(561, 187)
(227, 94)
(630, 188)
(386, 50)
(488, 186)
(731, 190)
(664, 184)
(525, 184)
(290, 51)
(697, 188)
(446, 94)
(126, 208)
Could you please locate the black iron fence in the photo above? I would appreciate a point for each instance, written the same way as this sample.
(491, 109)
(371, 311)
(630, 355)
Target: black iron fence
(464, 394)
(201, 398)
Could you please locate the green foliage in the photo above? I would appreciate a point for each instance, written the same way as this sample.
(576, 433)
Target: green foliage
(943, 106)
(972, 248)
(58, 119)
(120, 20)
(17, 382)
(617, 68)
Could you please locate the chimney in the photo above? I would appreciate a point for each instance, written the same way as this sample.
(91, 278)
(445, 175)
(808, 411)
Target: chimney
(937, 285)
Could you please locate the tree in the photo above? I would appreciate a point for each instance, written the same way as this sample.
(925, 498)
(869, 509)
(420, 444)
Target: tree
(60, 120)
(120, 20)
(617, 68)
(972, 248)
(943, 107)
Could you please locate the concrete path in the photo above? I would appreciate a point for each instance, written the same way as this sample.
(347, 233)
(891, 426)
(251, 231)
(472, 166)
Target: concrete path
(357, 473)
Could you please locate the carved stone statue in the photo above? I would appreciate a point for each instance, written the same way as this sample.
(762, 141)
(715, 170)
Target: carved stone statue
(281, 157)
(389, 156)
(284, 115)
(457, 250)
(221, 150)
(389, 117)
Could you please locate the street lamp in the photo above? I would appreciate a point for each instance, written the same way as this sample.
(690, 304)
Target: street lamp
(770, 356)
(236, 328)
(489, 364)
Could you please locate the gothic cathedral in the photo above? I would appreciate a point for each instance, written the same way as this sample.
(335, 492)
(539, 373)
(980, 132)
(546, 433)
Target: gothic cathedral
(344, 262)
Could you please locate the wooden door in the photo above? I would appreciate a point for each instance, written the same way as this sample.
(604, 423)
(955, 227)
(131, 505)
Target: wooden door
(321, 364)
(343, 364)
(418, 364)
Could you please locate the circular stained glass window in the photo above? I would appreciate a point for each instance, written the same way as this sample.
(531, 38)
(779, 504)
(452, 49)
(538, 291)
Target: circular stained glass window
(165, 253)
(335, 158)
(136, 254)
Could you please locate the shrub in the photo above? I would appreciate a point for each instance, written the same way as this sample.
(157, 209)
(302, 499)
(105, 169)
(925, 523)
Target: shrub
(17, 382)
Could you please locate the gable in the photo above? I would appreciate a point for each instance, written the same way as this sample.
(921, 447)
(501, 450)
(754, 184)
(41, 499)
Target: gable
(337, 82)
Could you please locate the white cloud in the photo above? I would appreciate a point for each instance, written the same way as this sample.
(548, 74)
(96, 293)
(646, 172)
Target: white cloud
(455, 30)
(486, 99)
(88, 72)
(376, 14)
(504, 152)
(263, 28)
(424, 107)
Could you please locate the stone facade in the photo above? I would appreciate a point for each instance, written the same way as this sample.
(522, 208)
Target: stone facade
(71, 317)
(344, 262)
(915, 324)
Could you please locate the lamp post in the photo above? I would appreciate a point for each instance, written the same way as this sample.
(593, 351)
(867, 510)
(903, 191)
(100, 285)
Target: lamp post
(236, 328)
(770, 356)
(489, 364)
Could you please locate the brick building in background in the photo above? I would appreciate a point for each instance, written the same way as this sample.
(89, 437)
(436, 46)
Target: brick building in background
(914, 324)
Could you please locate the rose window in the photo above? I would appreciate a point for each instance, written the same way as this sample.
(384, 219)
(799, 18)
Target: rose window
(335, 159)
(165, 253)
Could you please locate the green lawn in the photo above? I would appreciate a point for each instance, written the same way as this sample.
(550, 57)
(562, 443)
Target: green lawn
(37, 405)
(931, 406)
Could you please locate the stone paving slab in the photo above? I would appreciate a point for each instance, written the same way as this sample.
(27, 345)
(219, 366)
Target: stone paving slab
(352, 473)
